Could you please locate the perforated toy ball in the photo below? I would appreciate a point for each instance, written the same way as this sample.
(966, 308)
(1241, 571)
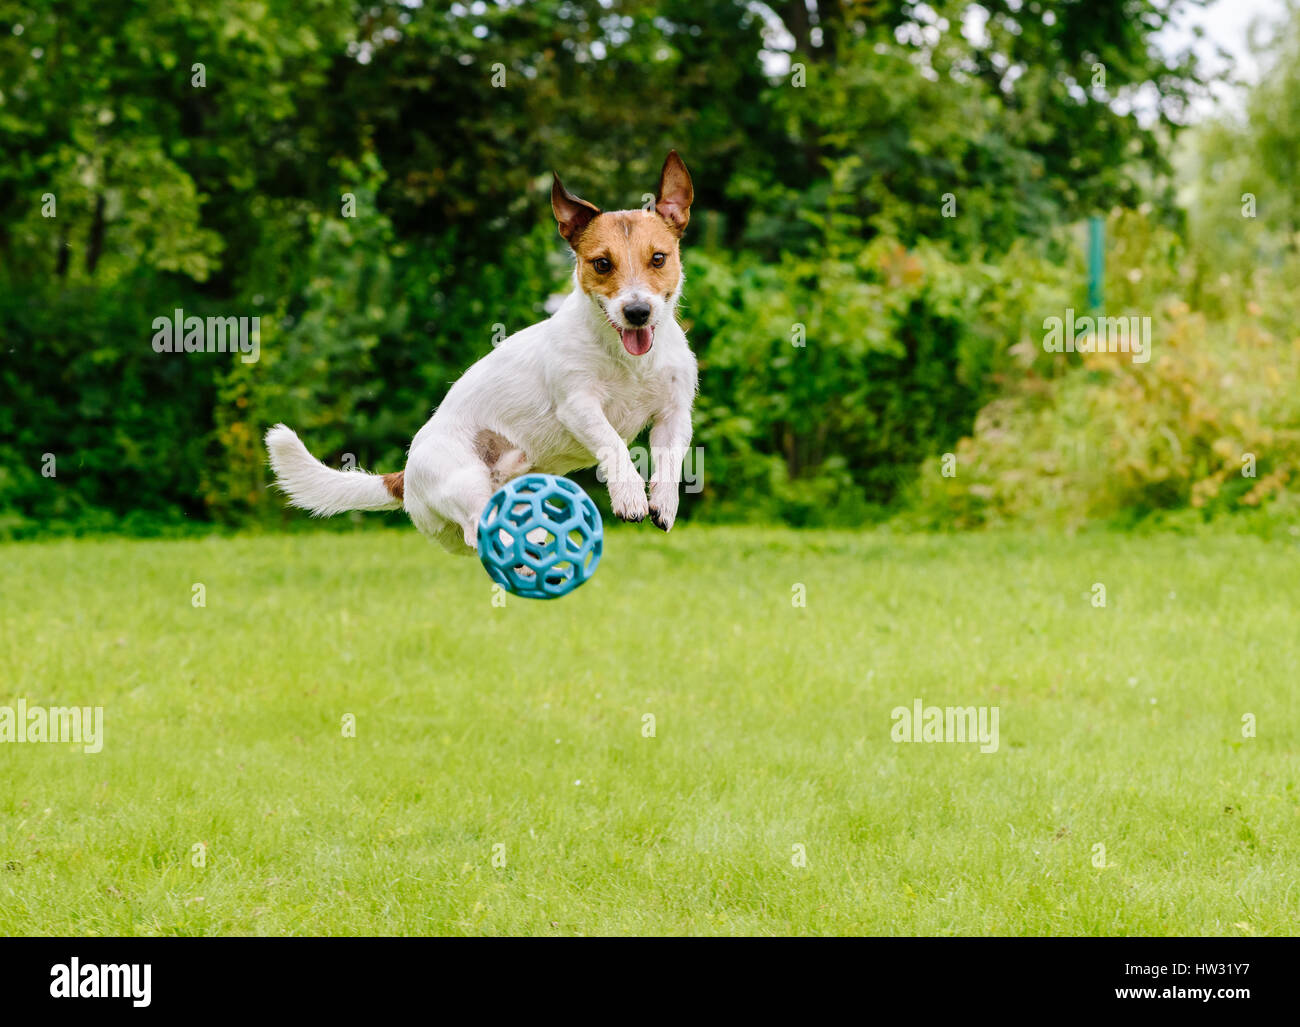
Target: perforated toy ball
(540, 536)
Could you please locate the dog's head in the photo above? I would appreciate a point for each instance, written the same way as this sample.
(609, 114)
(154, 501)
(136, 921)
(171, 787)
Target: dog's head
(628, 260)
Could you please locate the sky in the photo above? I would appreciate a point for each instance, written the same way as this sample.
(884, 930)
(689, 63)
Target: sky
(1227, 24)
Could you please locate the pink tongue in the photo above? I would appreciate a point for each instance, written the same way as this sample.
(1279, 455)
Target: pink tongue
(637, 340)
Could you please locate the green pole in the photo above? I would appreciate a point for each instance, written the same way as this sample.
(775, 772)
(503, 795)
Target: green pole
(1096, 260)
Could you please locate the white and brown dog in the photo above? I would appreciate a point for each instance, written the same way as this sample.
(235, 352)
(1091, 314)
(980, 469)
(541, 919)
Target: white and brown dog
(567, 393)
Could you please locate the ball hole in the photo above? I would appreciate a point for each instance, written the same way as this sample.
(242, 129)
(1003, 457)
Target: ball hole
(558, 507)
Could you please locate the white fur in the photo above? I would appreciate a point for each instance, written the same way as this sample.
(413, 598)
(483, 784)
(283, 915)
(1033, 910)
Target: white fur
(313, 486)
(556, 396)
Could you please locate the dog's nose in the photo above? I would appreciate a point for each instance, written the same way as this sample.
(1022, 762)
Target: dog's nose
(637, 314)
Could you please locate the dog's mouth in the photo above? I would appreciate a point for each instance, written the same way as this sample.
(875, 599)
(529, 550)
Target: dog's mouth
(637, 341)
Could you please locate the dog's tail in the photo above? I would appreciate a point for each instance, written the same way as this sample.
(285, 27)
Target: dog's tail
(310, 485)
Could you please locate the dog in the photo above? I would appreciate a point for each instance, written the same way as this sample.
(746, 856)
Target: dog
(569, 392)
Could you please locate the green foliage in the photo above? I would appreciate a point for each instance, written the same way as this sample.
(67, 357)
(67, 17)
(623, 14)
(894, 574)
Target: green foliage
(824, 383)
(1211, 425)
(1208, 426)
(126, 426)
(1239, 173)
(901, 201)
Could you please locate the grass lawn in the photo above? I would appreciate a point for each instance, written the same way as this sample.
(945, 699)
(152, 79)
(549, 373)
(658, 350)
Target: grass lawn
(520, 733)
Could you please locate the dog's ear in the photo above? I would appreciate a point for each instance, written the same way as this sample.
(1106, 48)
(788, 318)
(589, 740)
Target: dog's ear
(673, 201)
(571, 213)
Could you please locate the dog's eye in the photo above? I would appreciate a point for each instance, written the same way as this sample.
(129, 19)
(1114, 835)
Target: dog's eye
(658, 259)
(602, 265)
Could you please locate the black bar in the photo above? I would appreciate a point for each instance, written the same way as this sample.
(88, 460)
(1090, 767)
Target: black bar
(603, 976)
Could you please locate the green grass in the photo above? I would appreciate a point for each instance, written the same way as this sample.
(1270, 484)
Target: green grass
(521, 726)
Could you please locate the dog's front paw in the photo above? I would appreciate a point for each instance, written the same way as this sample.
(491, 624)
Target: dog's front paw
(663, 504)
(627, 496)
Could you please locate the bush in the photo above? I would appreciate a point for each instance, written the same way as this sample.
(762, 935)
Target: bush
(825, 383)
(1209, 425)
(82, 384)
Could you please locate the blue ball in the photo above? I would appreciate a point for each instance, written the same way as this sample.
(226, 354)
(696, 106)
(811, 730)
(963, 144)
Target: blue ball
(565, 543)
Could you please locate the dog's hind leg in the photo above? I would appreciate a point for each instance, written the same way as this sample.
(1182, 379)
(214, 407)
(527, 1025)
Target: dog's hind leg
(467, 493)
(433, 527)
(451, 483)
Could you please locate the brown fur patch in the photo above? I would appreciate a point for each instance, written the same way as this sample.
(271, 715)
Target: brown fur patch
(628, 239)
(572, 213)
(395, 483)
(676, 193)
